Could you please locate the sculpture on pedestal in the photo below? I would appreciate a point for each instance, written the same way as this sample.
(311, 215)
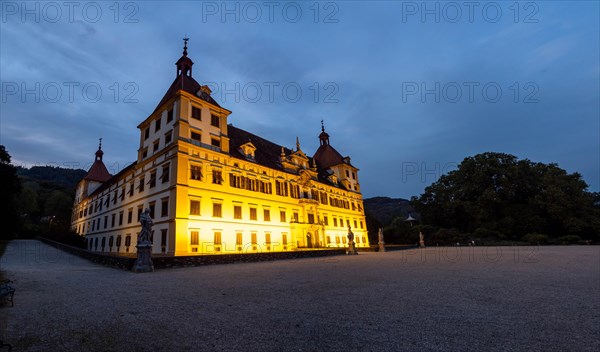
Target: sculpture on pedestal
(143, 263)
(381, 243)
(421, 240)
(351, 247)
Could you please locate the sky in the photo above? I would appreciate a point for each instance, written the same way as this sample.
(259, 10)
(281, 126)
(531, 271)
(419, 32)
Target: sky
(406, 89)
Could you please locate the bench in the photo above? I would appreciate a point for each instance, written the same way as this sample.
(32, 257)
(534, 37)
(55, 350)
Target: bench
(6, 292)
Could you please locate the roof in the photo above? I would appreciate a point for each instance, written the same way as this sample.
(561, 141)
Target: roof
(98, 172)
(267, 153)
(189, 85)
(326, 156)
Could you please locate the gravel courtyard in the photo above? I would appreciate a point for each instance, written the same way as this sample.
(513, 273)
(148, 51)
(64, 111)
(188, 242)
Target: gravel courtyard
(436, 299)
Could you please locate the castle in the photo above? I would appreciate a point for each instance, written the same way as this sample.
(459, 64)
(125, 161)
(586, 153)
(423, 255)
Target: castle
(214, 188)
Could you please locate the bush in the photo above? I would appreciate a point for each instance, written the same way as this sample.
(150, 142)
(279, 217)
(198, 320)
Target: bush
(569, 239)
(489, 234)
(535, 238)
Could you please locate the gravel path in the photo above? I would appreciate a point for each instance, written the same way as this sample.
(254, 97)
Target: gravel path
(437, 299)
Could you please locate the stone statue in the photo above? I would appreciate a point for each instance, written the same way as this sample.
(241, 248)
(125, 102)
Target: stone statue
(145, 235)
(351, 247)
(421, 240)
(381, 242)
(143, 264)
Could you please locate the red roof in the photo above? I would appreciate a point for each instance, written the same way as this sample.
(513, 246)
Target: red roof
(98, 172)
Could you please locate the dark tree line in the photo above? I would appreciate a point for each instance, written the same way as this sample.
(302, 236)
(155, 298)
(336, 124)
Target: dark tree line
(37, 201)
(495, 195)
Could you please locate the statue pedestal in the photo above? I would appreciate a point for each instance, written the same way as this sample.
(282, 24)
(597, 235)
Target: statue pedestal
(381, 247)
(143, 264)
(422, 244)
(351, 249)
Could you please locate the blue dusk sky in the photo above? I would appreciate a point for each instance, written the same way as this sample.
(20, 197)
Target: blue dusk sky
(406, 89)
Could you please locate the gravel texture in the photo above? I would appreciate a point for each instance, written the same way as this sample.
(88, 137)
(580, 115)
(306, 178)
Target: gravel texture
(434, 299)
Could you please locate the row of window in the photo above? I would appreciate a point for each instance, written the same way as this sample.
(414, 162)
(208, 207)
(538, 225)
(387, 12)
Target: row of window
(120, 194)
(100, 244)
(217, 212)
(197, 115)
(117, 219)
(168, 136)
(240, 242)
(282, 188)
(157, 124)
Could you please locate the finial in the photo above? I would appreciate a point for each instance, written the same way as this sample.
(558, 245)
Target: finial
(282, 151)
(297, 143)
(322, 126)
(100, 144)
(185, 40)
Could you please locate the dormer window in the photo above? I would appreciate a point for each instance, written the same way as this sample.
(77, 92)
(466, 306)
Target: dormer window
(248, 149)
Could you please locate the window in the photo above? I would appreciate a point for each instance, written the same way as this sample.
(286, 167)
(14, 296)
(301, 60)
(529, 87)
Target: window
(146, 133)
(284, 238)
(217, 210)
(169, 115)
(267, 238)
(131, 187)
(361, 225)
(118, 242)
(130, 215)
(164, 207)
(165, 173)
(157, 124)
(296, 216)
(311, 218)
(127, 240)
(110, 242)
(328, 239)
(215, 142)
(105, 221)
(214, 120)
(152, 181)
(253, 238)
(194, 207)
(152, 207)
(144, 153)
(139, 212)
(168, 137)
(196, 113)
(194, 238)
(141, 186)
(115, 196)
(155, 145)
(196, 137)
(217, 238)
(120, 218)
(217, 177)
(281, 188)
(163, 240)
(195, 172)
(325, 220)
(355, 224)
(238, 240)
(253, 214)
(282, 215)
(353, 176)
(237, 211)
(112, 220)
(347, 173)
(335, 222)
(266, 214)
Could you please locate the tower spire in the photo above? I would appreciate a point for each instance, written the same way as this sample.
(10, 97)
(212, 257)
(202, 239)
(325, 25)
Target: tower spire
(323, 137)
(184, 64)
(297, 143)
(99, 152)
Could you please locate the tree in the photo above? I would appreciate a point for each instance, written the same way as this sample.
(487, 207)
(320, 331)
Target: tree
(497, 193)
(10, 187)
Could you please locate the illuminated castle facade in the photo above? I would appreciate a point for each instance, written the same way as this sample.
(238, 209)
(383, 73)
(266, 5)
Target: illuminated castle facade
(214, 188)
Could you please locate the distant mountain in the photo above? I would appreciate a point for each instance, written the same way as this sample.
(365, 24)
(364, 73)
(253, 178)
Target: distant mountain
(385, 209)
(67, 178)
